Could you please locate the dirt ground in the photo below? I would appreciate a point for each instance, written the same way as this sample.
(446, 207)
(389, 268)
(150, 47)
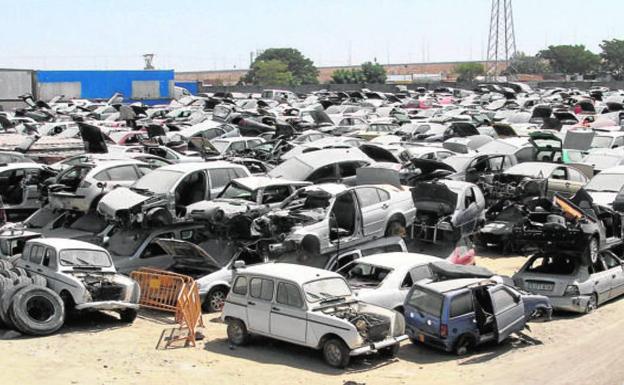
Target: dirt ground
(100, 350)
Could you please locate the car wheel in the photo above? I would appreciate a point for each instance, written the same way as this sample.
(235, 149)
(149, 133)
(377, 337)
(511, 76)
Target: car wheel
(237, 332)
(463, 345)
(593, 249)
(216, 299)
(390, 351)
(395, 228)
(336, 353)
(37, 311)
(128, 315)
(592, 304)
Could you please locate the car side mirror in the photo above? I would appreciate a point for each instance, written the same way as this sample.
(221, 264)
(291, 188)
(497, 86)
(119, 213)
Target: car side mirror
(101, 184)
(238, 265)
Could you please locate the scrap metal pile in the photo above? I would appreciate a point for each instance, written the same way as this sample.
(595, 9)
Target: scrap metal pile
(209, 183)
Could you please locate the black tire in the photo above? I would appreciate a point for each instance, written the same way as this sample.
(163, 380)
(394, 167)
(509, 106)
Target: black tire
(37, 311)
(336, 353)
(311, 245)
(22, 279)
(390, 351)
(215, 299)
(463, 345)
(593, 249)
(128, 315)
(6, 300)
(237, 332)
(5, 264)
(20, 272)
(395, 228)
(5, 284)
(592, 304)
(10, 274)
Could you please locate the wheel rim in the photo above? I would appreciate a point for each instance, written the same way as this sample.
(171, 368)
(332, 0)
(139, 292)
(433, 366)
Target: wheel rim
(236, 332)
(591, 306)
(217, 300)
(396, 229)
(333, 353)
(593, 250)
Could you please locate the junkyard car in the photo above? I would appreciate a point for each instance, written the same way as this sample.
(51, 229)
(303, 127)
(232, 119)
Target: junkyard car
(572, 283)
(82, 274)
(325, 217)
(161, 197)
(19, 190)
(562, 179)
(309, 307)
(459, 314)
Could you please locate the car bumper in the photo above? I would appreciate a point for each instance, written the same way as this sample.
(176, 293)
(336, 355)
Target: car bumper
(428, 339)
(107, 305)
(575, 304)
(377, 345)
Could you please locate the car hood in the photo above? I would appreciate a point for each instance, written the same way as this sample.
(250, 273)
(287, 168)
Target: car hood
(207, 209)
(603, 198)
(187, 251)
(423, 193)
(121, 198)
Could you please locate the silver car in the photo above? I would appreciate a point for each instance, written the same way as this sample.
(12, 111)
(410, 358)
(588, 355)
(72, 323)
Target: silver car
(572, 283)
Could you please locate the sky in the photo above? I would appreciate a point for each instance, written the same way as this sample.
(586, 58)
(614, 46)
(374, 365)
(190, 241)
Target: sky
(205, 34)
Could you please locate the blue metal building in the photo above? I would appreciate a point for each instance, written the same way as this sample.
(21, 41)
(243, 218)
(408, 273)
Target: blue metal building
(146, 86)
(192, 87)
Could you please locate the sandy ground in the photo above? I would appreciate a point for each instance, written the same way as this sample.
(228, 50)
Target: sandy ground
(101, 350)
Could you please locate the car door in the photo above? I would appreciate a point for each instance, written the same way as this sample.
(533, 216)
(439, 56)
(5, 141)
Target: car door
(373, 209)
(601, 279)
(288, 313)
(576, 180)
(616, 273)
(508, 310)
(31, 188)
(468, 212)
(259, 303)
(558, 182)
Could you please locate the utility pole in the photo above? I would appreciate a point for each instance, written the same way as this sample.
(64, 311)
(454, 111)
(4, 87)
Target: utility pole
(502, 39)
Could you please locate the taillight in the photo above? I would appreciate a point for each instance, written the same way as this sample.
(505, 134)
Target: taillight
(443, 330)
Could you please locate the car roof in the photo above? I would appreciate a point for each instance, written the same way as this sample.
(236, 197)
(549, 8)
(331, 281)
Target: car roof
(398, 259)
(19, 165)
(255, 182)
(613, 170)
(289, 272)
(195, 166)
(105, 164)
(332, 188)
(236, 139)
(64, 243)
(452, 284)
(332, 155)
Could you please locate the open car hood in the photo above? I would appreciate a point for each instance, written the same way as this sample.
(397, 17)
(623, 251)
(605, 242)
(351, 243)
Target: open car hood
(377, 153)
(321, 118)
(425, 193)
(121, 198)
(444, 270)
(427, 166)
(504, 130)
(186, 251)
(543, 141)
(92, 138)
(578, 140)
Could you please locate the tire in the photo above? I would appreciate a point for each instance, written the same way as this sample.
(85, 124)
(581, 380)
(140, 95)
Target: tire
(336, 353)
(237, 332)
(311, 245)
(128, 315)
(6, 300)
(395, 228)
(215, 299)
(10, 274)
(20, 272)
(390, 351)
(593, 249)
(23, 279)
(37, 311)
(5, 284)
(463, 345)
(592, 304)
(5, 264)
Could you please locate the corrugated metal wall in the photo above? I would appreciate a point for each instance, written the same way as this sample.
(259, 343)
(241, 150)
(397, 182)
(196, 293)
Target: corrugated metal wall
(152, 85)
(14, 83)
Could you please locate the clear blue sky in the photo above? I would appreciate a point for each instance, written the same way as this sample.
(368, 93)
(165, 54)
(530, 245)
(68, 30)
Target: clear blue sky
(208, 34)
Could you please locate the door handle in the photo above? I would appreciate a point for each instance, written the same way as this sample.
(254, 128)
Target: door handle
(39, 270)
(567, 184)
(384, 206)
(275, 308)
(613, 276)
(251, 303)
(597, 282)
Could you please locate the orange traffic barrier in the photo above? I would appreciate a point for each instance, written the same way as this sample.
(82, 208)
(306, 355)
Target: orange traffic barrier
(171, 292)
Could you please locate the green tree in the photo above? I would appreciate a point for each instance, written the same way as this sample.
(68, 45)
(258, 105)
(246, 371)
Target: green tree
(373, 72)
(302, 69)
(346, 76)
(570, 59)
(272, 73)
(613, 57)
(525, 64)
(466, 72)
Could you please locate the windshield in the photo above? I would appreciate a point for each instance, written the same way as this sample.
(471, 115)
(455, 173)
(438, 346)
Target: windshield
(158, 181)
(531, 169)
(82, 257)
(307, 199)
(605, 182)
(220, 145)
(90, 222)
(125, 243)
(426, 302)
(41, 218)
(293, 169)
(327, 288)
(236, 191)
(364, 274)
(601, 162)
(559, 265)
(306, 259)
(601, 142)
(457, 162)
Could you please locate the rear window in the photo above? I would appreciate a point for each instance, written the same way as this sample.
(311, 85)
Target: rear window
(426, 302)
(560, 265)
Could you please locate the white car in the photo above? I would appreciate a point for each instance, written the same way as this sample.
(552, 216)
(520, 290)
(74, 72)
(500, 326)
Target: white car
(235, 144)
(309, 307)
(384, 279)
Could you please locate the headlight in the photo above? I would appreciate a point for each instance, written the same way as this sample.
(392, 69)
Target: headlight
(571, 291)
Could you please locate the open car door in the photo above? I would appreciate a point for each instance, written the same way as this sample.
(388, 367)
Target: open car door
(508, 310)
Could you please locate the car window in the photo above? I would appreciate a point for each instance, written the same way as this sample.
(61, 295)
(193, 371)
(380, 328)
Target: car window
(236, 146)
(323, 173)
(36, 254)
(186, 235)
(240, 286)
(407, 282)
(219, 177)
(597, 266)
(559, 173)
(461, 304)
(503, 299)
(420, 272)
(261, 288)
(347, 169)
(525, 154)
(559, 265)
(576, 176)
(367, 196)
(48, 258)
(102, 176)
(289, 294)
(144, 169)
(122, 173)
(275, 194)
(469, 197)
(237, 173)
(610, 261)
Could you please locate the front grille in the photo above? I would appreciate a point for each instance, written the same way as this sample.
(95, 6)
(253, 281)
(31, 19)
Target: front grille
(106, 291)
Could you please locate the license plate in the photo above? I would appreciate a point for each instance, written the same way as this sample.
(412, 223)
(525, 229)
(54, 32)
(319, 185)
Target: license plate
(541, 286)
(421, 338)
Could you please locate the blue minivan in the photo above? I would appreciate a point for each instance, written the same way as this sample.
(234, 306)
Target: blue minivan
(458, 314)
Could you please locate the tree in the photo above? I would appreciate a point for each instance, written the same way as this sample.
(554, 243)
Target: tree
(525, 64)
(466, 72)
(613, 57)
(272, 73)
(570, 59)
(302, 69)
(373, 73)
